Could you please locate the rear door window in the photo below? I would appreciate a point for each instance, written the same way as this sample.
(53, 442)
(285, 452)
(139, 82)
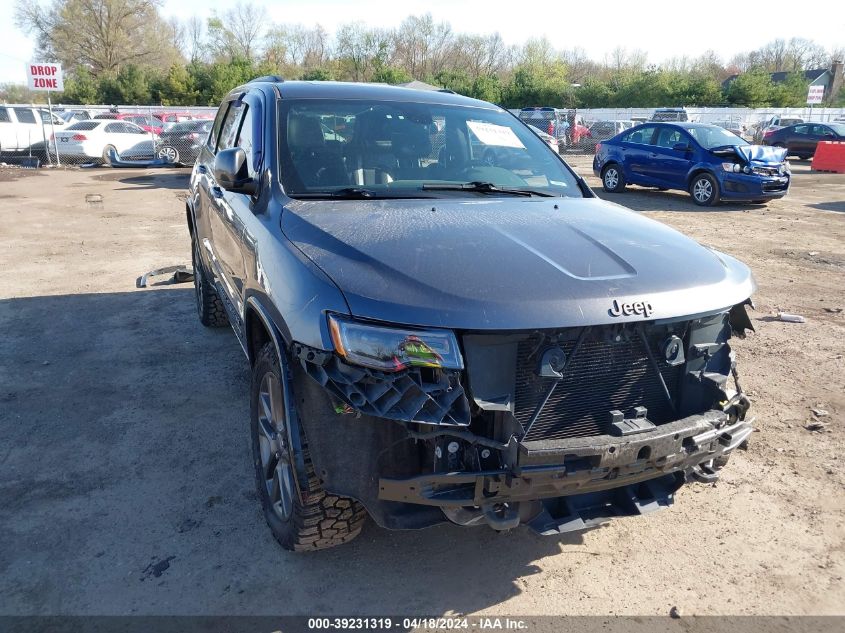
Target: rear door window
(25, 115)
(668, 137)
(641, 136)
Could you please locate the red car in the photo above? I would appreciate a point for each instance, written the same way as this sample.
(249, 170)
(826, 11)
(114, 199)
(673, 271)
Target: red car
(149, 122)
(169, 119)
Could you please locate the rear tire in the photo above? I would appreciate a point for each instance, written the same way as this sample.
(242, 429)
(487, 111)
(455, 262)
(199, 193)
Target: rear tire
(612, 179)
(169, 153)
(209, 306)
(301, 515)
(106, 151)
(704, 190)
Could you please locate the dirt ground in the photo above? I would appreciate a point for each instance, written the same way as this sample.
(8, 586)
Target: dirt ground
(125, 478)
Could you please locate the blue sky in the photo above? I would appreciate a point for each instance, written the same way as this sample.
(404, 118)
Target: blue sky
(689, 28)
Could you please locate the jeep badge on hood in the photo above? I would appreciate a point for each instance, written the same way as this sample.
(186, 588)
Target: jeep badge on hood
(629, 309)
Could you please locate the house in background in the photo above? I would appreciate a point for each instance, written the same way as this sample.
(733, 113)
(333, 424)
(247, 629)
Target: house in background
(830, 78)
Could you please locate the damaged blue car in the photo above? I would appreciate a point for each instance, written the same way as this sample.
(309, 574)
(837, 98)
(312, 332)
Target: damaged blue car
(709, 162)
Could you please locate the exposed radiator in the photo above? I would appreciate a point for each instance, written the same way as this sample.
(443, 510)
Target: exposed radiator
(602, 376)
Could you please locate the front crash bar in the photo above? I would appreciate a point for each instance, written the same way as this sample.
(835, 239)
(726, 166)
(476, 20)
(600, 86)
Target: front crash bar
(557, 468)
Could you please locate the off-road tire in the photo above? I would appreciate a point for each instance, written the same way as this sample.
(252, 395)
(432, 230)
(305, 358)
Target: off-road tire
(318, 519)
(209, 306)
(612, 178)
(699, 186)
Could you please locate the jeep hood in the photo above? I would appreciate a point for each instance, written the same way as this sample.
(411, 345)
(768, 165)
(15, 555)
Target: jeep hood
(509, 263)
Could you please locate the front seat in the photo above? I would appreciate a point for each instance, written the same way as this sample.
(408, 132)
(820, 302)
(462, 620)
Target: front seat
(315, 165)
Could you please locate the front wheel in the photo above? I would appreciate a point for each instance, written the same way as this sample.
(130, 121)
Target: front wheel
(704, 190)
(301, 515)
(612, 179)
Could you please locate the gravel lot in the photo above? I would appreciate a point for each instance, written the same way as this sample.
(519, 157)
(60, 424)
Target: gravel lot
(125, 478)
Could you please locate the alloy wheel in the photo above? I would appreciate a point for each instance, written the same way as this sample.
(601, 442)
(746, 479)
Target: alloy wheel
(702, 190)
(168, 153)
(274, 448)
(611, 178)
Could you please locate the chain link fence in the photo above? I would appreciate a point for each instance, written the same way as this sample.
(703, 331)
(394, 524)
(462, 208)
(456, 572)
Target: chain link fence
(98, 135)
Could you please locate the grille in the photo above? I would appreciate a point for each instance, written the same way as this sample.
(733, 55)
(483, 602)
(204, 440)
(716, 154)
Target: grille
(601, 377)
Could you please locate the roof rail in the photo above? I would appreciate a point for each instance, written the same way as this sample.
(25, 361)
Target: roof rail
(267, 78)
(447, 91)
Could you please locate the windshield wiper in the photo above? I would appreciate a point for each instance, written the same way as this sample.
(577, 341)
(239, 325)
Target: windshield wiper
(484, 187)
(352, 193)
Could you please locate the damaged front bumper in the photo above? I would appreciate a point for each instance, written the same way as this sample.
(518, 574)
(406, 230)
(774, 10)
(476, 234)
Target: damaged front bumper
(640, 471)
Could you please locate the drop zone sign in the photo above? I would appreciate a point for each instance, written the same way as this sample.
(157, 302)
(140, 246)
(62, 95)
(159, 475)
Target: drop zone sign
(45, 76)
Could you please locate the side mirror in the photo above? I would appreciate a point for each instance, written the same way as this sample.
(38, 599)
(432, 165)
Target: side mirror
(230, 171)
(681, 147)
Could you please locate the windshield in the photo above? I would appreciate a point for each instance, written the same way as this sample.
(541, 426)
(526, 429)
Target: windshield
(839, 128)
(400, 149)
(712, 136)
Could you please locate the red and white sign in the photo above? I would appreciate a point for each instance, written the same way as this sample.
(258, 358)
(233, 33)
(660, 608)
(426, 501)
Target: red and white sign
(45, 76)
(815, 94)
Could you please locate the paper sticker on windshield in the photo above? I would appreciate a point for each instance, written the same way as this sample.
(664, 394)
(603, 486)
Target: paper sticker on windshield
(496, 135)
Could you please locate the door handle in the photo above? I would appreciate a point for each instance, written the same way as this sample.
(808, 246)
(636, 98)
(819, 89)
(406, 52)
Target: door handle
(653, 155)
(217, 192)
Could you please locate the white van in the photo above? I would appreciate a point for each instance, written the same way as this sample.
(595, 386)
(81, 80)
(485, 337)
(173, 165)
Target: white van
(21, 127)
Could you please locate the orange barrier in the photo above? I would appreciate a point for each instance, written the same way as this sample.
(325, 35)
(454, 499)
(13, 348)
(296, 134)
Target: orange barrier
(829, 156)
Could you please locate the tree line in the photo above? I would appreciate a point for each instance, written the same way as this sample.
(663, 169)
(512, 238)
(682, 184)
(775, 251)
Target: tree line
(124, 51)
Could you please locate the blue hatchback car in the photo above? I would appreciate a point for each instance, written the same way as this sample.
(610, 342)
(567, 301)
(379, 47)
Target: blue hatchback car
(709, 162)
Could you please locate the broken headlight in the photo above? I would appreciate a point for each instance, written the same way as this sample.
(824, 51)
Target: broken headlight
(394, 349)
(731, 167)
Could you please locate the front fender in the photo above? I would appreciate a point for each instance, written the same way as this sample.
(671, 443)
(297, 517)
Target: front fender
(700, 167)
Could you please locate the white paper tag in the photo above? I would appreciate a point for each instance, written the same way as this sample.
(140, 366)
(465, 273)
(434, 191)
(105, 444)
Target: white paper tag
(496, 135)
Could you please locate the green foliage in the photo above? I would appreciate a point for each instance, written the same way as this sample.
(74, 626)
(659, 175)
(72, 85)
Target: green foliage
(126, 52)
(751, 89)
(130, 85)
(543, 84)
(791, 93)
(391, 75)
(318, 74)
(20, 93)
(80, 87)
